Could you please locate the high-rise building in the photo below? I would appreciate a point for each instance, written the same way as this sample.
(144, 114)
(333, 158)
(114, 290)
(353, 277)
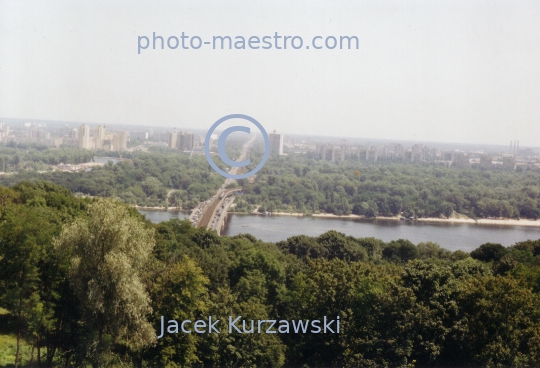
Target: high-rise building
(324, 152)
(372, 154)
(173, 137)
(486, 162)
(333, 154)
(84, 137)
(417, 148)
(181, 140)
(398, 150)
(186, 141)
(409, 155)
(509, 163)
(99, 137)
(121, 141)
(276, 143)
(4, 132)
(461, 160)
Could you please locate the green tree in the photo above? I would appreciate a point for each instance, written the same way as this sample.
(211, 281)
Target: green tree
(489, 252)
(502, 323)
(109, 250)
(430, 250)
(240, 349)
(179, 293)
(24, 234)
(400, 250)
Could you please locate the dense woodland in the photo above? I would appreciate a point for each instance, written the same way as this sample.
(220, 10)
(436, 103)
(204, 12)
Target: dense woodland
(298, 184)
(148, 179)
(291, 184)
(15, 158)
(84, 282)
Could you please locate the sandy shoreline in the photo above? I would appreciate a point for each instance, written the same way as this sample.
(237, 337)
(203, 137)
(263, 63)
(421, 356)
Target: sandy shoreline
(330, 215)
(505, 222)
(157, 208)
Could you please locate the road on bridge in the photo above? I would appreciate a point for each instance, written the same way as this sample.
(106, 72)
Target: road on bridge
(210, 210)
(208, 214)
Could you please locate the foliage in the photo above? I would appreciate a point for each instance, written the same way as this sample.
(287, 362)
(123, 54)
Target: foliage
(109, 250)
(292, 183)
(400, 250)
(297, 183)
(179, 293)
(489, 252)
(144, 180)
(30, 276)
(88, 280)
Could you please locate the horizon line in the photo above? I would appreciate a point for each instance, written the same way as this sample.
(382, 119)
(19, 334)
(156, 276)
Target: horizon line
(285, 133)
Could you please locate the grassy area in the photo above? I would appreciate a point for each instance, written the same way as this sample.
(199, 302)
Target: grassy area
(8, 344)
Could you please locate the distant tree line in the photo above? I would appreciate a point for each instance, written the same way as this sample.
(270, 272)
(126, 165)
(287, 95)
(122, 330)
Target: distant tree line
(161, 177)
(168, 179)
(298, 184)
(15, 158)
(164, 177)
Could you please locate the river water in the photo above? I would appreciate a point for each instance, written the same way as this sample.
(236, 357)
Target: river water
(105, 160)
(450, 236)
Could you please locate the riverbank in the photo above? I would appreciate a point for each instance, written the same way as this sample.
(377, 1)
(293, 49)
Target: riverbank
(157, 208)
(502, 221)
(330, 216)
(454, 220)
(299, 214)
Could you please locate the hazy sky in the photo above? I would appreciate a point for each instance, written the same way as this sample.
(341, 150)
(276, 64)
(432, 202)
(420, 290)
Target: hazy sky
(455, 71)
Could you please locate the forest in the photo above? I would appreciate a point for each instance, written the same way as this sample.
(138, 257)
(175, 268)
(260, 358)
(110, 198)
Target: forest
(168, 178)
(84, 282)
(145, 179)
(299, 184)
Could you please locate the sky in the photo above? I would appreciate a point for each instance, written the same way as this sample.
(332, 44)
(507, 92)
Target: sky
(445, 71)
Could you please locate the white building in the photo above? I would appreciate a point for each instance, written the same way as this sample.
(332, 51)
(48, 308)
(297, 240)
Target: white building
(99, 137)
(120, 141)
(84, 137)
(173, 137)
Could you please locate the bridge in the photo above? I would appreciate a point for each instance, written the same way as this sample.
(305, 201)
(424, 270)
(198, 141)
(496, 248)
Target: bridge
(213, 212)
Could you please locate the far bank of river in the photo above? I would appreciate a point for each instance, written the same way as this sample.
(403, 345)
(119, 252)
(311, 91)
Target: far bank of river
(450, 235)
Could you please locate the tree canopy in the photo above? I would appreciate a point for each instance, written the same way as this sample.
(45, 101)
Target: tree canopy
(85, 282)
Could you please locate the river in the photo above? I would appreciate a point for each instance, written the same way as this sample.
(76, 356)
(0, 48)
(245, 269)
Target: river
(105, 160)
(450, 236)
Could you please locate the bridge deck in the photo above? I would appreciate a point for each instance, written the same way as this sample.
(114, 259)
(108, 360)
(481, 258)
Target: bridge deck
(210, 209)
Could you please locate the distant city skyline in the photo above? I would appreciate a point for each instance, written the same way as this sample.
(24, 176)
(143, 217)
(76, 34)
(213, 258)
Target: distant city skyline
(335, 150)
(452, 71)
(285, 133)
